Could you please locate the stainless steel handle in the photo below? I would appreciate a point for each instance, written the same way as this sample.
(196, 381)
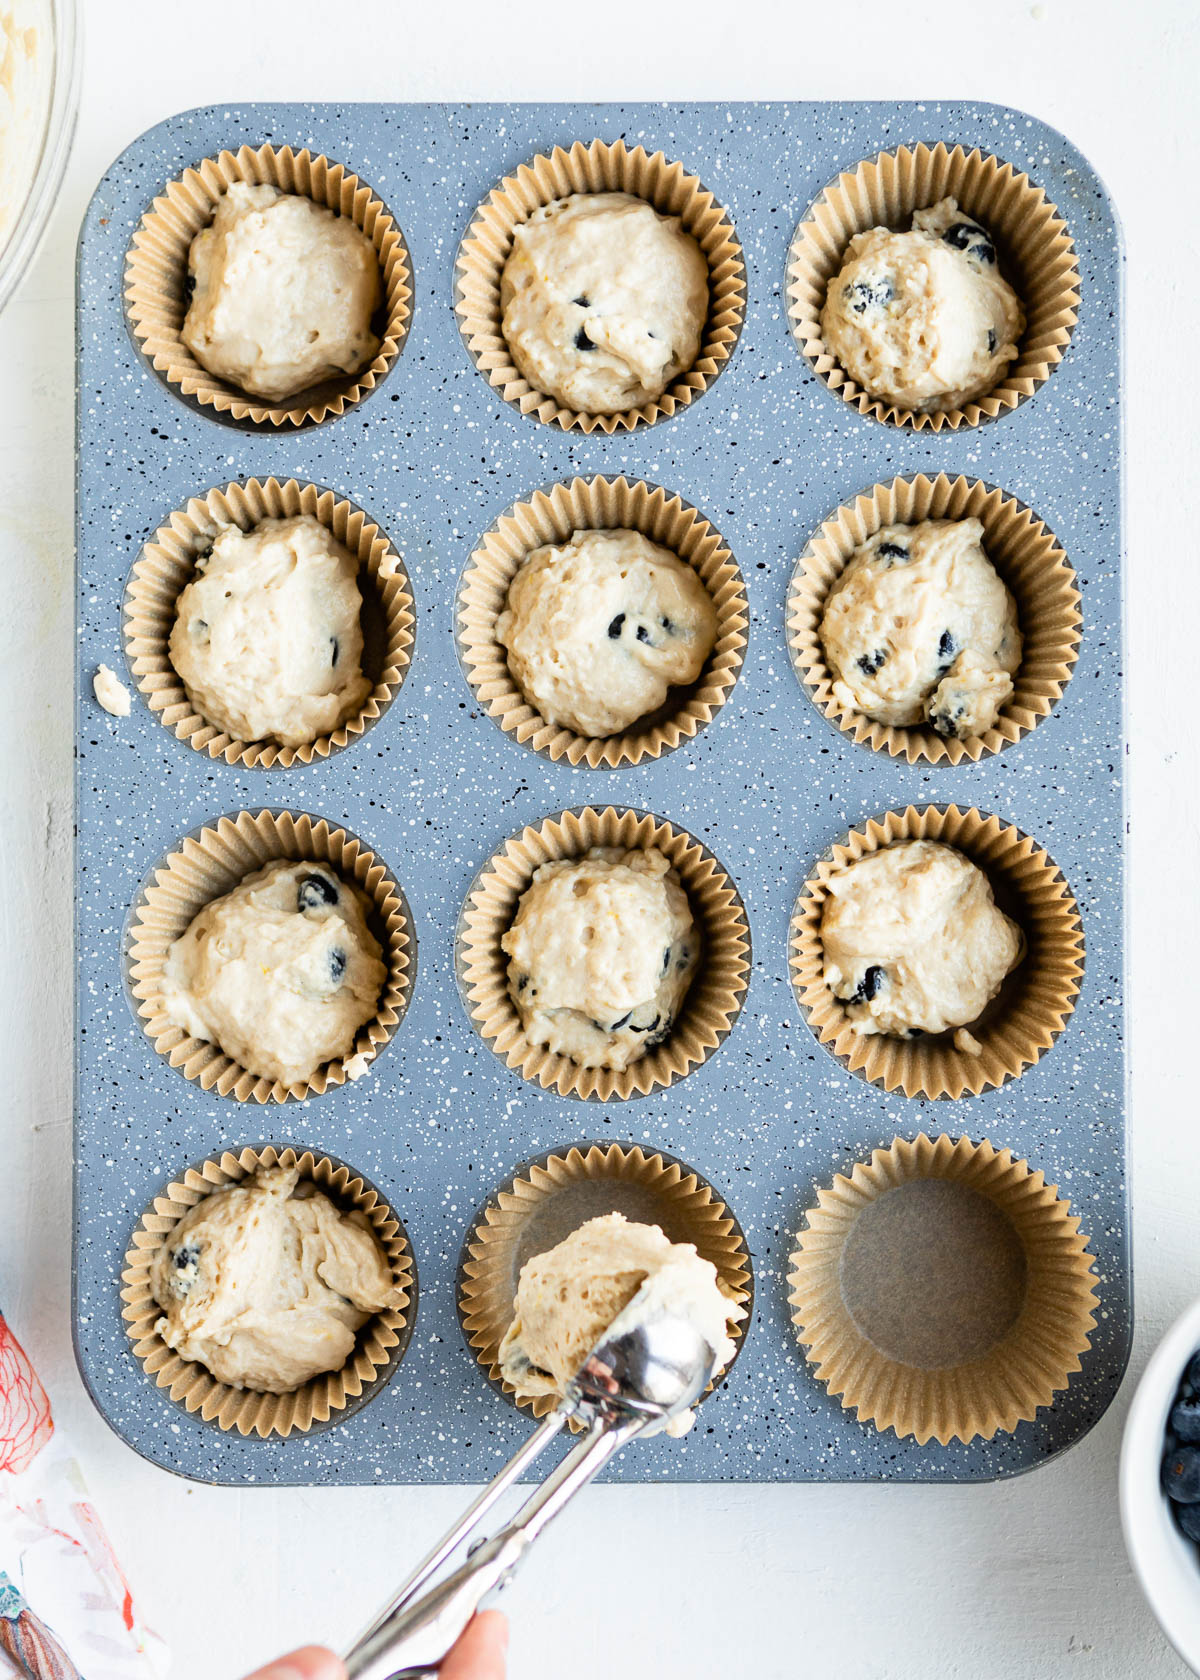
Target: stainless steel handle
(419, 1633)
(546, 1431)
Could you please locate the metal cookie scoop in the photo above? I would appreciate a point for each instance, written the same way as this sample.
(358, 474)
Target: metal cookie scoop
(651, 1366)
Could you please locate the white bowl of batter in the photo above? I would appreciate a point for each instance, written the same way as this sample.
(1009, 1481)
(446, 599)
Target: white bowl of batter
(39, 97)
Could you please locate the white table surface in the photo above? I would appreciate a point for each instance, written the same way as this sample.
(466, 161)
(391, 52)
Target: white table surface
(1024, 1578)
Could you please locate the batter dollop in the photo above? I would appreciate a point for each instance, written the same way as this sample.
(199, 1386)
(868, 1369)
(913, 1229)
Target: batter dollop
(267, 639)
(285, 292)
(913, 940)
(601, 954)
(280, 973)
(923, 319)
(919, 628)
(569, 1297)
(603, 301)
(267, 1283)
(600, 628)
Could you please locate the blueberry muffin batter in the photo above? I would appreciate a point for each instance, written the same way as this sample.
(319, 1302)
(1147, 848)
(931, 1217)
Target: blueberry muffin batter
(569, 1297)
(280, 973)
(923, 319)
(919, 628)
(284, 293)
(603, 301)
(601, 954)
(914, 941)
(267, 1284)
(600, 628)
(267, 638)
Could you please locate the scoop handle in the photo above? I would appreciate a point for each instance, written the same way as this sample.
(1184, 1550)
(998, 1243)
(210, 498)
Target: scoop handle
(413, 1640)
(550, 1426)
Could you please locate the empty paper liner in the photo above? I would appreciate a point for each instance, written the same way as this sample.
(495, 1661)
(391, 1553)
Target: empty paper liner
(381, 1342)
(210, 863)
(1035, 250)
(943, 1290)
(711, 1005)
(551, 518)
(1037, 997)
(596, 168)
(167, 565)
(156, 280)
(1028, 561)
(550, 1197)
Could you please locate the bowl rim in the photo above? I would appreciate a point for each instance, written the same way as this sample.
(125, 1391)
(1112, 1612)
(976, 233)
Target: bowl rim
(1158, 1552)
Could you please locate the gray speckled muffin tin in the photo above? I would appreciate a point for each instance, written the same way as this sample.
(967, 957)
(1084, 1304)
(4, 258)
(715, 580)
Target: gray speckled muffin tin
(434, 455)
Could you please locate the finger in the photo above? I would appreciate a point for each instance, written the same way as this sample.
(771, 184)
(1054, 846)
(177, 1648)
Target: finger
(481, 1651)
(310, 1662)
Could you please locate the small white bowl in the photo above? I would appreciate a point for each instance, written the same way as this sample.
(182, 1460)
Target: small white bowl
(1165, 1562)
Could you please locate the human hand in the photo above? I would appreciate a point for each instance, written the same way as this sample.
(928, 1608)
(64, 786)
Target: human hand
(478, 1655)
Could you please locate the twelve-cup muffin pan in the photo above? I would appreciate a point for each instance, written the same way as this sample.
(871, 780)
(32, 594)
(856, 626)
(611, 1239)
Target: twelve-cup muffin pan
(434, 455)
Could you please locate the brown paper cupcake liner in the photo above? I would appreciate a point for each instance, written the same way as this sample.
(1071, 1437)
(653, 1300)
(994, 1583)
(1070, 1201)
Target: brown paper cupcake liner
(943, 1290)
(714, 999)
(381, 1343)
(167, 564)
(156, 272)
(548, 1198)
(1036, 252)
(595, 168)
(551, 517)
(1033, 1005)
(1028, 560)
(209, 863)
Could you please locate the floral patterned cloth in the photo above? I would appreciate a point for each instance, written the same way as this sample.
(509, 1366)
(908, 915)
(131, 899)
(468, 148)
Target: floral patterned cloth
(66, 1610)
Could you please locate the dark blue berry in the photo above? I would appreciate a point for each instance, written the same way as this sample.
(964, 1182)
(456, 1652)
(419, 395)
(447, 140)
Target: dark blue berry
(614, 629)
(185, 1255)
(947, 650)
(314, 891)
(1181, 1475)
(617, 1025)
(333, 657)
(643, 635)
(863, 295)
(581, 302)
(970, 237)
(1185, 1421)
(869, 985)
(657, 1033)
(892, 551)
(1188, 1518)
(869, 663)
(1192, 1374)
(667, 626)
(991, 340)
(946, 721)
(337, 964)
(582, 341)
(666, 959)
